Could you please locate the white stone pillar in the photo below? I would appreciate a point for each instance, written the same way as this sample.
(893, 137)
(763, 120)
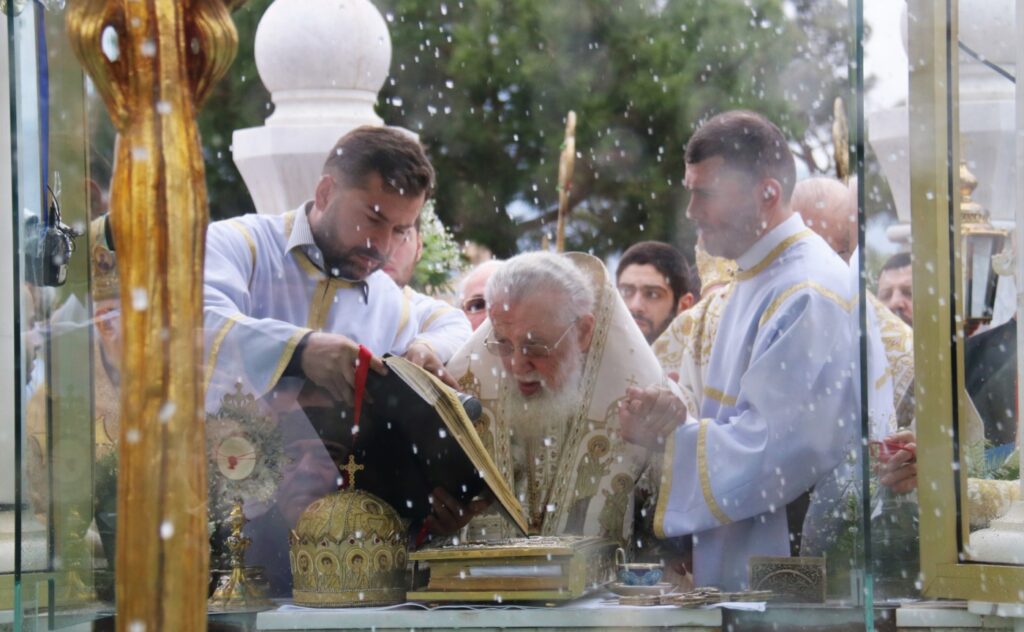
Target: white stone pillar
(323, 61)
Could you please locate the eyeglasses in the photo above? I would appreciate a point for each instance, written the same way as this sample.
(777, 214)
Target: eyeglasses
(529, 349)
(474, 305)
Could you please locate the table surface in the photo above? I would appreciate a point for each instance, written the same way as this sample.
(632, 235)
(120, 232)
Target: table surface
(590, 612)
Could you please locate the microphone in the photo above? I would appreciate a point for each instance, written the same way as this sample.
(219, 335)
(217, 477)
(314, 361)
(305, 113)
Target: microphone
(471, 405)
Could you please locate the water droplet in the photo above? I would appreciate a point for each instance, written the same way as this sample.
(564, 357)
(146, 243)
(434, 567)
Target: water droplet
(166, 411)
(166, 530)
(148, 48)
(140, 299)
(132, 436)
(109, 44)
(163, 107)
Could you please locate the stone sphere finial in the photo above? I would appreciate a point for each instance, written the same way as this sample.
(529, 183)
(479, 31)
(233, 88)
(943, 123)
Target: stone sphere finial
(323, 60)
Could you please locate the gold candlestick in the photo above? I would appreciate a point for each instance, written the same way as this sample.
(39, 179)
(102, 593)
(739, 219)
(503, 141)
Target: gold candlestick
(236, 589)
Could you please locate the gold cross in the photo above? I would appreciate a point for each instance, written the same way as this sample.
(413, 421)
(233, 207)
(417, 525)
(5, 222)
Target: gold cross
(351, 468)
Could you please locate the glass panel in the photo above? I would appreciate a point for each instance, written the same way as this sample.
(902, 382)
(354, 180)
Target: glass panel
(988, 196)
(893, 511)
(487, 88)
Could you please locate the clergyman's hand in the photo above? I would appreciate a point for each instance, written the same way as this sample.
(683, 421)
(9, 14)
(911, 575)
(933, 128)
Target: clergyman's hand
(330, 360)
(420, 354)
(648, 415)
(898, 468)
(449, 515)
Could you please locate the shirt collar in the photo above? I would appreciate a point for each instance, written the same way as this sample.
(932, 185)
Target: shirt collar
(763, 246)
(301, 238)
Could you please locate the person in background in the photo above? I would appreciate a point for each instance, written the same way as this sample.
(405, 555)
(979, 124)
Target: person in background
(653, 279)
(441, 328)
(471, 292)
(896, 288)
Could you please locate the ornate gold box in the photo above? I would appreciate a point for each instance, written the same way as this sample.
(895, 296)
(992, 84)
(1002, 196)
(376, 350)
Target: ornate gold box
(518, 569)
(791, 579)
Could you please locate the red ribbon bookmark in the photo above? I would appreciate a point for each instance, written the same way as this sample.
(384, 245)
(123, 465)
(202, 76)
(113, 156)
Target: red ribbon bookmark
(362, 369)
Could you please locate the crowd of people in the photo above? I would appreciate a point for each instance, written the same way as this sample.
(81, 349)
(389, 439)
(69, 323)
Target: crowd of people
(712, 405)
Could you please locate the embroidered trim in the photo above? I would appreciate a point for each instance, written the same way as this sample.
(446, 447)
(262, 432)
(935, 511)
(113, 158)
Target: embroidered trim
(705, 476)
(806, 285)
(743, 275)
(289, 224)
(437, 313)
(218, 340)
(242, 228)
(323, 298)
(720, 396)
(665, 488)
(286, 356)
(403, 320)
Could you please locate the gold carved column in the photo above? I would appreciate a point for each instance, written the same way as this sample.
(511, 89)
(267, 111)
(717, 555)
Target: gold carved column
(154, 62)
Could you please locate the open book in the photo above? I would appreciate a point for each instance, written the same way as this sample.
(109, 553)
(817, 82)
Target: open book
(414, 435)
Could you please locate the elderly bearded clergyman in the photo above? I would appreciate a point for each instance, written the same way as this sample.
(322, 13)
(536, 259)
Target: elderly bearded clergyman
(558, 353)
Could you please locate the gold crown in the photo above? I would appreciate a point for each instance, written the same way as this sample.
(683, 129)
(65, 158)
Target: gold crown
(348, 549)
(103, 262)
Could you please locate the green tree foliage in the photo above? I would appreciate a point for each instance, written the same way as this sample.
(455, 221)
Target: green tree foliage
(238, 101)
(487, 84)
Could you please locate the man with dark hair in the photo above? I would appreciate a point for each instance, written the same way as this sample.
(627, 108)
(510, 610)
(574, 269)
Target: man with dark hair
(778, 407)
(896, 286)
(296, 295)
(653, 278)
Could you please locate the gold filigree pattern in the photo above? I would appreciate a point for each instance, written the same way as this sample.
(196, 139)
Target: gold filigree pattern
(348, 549)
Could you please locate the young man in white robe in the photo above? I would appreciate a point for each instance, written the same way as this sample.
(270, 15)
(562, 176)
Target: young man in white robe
(779, 408)
(295, 295)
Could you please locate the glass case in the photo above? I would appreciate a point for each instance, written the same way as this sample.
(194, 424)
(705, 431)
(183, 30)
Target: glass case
(134, 127)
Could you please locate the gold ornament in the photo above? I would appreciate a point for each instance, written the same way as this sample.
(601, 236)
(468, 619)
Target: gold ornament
(163, 62)
(238, 589)
(103, 262)
(348, 549)
(713, 270)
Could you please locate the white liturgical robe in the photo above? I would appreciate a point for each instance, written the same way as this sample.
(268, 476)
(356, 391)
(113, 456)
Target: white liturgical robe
(580, 479)
(779, 408)
(264, 290)
(439, 325)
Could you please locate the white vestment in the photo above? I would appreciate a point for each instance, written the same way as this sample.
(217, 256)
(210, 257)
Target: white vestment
(440, 326)
(779, 408)
(580, 481)
(264, 290)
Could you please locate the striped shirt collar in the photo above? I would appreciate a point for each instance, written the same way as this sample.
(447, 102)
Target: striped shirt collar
(301, 238)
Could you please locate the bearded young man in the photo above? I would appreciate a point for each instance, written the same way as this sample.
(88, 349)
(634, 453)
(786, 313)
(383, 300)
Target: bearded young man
(654, 280)
(557, 353)
(295, 295)
(778, 408)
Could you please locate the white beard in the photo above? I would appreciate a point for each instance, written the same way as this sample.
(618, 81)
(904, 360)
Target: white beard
(548, 413)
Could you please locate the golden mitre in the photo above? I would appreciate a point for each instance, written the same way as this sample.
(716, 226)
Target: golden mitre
(102, 261)
(348, 549)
